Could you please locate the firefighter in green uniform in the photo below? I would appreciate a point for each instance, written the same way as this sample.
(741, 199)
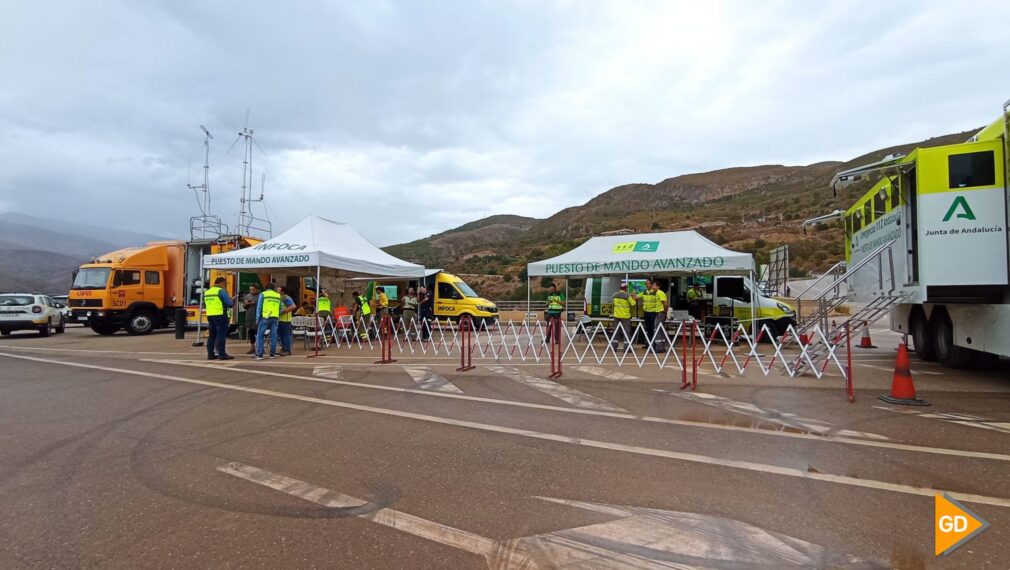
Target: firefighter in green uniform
(555, 305)
(364, 311)
(215, 301)
(622, 317)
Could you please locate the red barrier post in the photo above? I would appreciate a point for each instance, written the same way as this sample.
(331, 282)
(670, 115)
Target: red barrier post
(694, 360)
(848, 369)
(386, 342)
(316, 328)
(683, 359)
(555, 335)
(466, 340)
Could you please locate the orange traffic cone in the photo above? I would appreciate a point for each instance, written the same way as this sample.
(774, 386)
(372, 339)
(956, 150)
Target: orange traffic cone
(865, 341)
(902, 386)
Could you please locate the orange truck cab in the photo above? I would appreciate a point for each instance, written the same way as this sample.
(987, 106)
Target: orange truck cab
(140, 288)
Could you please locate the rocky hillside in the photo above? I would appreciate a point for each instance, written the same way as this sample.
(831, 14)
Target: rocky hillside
(754, 209)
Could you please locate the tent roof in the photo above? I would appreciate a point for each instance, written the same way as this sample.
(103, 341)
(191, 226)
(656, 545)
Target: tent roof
(313, 242)
(685, 253)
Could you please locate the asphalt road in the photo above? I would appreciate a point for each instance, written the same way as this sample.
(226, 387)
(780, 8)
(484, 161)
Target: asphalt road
(130, 452)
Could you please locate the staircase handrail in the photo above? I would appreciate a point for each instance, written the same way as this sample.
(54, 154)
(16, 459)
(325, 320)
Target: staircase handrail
(862, 263)
(821, 278)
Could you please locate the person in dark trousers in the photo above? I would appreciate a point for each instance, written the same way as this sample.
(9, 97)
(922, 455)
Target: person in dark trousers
(268, 307)
(251, 318)
(285, 329)
(426, 311)
(555, 306)
(649, 304)
(216, 303)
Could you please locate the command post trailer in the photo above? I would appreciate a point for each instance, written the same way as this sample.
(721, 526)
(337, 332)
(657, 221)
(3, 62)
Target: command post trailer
(935, 225)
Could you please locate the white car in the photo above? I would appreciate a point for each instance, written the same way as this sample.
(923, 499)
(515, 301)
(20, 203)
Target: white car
(28, 311)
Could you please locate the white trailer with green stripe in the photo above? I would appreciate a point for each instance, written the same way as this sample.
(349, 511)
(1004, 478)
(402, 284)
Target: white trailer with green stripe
(944, 212)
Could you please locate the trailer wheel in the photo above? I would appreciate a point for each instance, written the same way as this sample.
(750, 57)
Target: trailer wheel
(922, 335)
(140, 322)
(947, 352)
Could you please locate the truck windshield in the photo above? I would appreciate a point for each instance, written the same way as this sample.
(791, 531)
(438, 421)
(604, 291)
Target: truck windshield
(465, 289)
(92, 278)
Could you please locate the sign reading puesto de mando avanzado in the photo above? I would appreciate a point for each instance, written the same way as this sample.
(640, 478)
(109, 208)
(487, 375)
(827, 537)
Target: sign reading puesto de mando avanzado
(634, 265)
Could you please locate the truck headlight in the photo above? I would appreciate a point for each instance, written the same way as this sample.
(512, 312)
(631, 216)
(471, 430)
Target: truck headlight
(485, 308)
(785, 308)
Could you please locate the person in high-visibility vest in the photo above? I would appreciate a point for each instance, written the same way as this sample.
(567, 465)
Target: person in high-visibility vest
(323, 305)
(649, 304)
(555, 305)
(660, 308)
(695, 298)
(216, 302)
(363, 313)
(269, 309)
(622, 317)
(285, 331)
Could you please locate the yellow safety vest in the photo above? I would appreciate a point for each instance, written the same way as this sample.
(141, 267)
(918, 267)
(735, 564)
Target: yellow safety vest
(660, 299)
(622, 307)
(322, 304)
(366, 309)
(212, 302)
(285, 317)
(649, 303)
(271, 304)
(693, 295)
(554, 303)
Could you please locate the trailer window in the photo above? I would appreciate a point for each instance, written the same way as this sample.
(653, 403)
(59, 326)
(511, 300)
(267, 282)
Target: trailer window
(868, 212)
(895, 194)
(972, 169)
(857, 220)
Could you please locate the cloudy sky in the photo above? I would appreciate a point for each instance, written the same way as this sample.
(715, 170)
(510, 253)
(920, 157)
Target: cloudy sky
(409, 118)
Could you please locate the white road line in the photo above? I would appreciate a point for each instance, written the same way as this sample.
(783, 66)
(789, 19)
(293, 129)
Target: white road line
(637, 537)
(596, 444)
(399, 520)
(608, 374)
(329, 371)
(559, 391)
(582, 411)
(428, 380)
(954, 418)
(615, 415)
(785, 419)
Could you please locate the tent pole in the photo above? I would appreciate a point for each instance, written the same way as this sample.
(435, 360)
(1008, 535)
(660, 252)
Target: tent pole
(528, 281)
(199, 308)
(566, 297)
(753, 320)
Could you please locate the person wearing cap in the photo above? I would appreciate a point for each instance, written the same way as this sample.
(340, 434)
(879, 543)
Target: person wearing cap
(622, 317)
(695, 297)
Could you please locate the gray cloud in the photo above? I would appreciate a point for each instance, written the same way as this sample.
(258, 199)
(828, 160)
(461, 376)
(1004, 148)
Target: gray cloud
(409, 118)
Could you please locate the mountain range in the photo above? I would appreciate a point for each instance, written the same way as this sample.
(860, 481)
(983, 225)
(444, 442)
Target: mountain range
(752, 209)
(40, 254)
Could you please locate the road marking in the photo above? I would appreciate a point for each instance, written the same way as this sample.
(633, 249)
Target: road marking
(638, 537)
(785, 419)
(583, 411)
(608, 374)
(559, 391)
(615, 415)
(329, 371)
(595, 444)
(428, 380)
(962, 419)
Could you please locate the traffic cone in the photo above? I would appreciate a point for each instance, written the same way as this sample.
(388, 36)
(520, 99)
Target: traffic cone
(902, 386)
(865, 341)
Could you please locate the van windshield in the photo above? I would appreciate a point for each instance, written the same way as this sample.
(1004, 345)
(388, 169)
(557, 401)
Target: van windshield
(92, 278)
(465, 289)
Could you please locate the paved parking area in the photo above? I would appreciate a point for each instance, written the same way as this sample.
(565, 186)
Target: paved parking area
(135, 451)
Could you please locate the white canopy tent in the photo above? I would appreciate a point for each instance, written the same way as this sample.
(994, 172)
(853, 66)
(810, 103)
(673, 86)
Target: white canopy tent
(664, 253)
(320, 243)
(315, 243)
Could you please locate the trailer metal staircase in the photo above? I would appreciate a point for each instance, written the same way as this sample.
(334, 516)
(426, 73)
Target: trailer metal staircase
(835, 292)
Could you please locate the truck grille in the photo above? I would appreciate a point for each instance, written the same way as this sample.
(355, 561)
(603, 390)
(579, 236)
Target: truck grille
(85, 302)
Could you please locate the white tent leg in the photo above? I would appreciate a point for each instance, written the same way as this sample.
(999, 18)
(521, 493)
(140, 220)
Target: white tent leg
(753, 301)
(528, 286)
(199, 307)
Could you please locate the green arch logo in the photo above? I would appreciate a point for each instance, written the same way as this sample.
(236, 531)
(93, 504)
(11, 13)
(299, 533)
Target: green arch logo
(961, 208)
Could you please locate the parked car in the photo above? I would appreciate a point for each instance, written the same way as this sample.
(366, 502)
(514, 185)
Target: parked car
(28, 311)
(63, 304)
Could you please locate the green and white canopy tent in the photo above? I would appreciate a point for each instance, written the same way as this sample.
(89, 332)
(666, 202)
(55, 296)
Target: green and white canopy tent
(649, 254)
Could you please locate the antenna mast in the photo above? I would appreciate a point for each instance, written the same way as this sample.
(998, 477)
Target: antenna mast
(248, 223)
(206, 225)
